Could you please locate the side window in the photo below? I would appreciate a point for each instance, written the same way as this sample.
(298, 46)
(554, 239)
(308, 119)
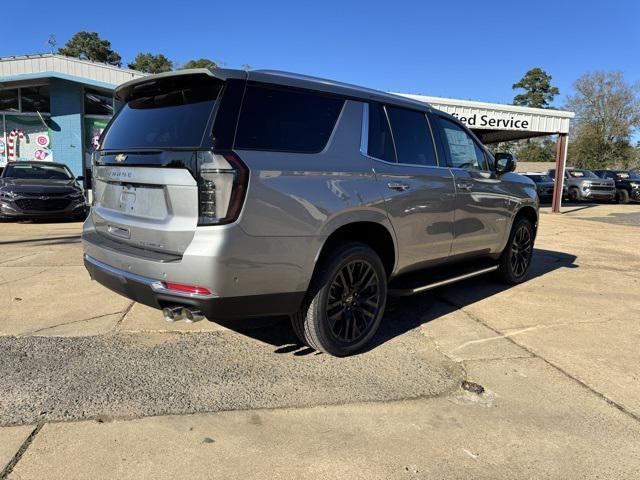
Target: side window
(464, 152)
(380, 140)
(491, 161)
(286, 120)
(413, 140)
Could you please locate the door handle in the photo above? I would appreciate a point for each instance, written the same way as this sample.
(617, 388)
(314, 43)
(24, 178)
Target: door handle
(465, 186)
(400, 187)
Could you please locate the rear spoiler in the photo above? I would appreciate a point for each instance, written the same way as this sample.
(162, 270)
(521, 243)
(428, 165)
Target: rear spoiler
(130, 89)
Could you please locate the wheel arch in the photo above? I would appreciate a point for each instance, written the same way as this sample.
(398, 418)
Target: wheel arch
(528, 212)
(374, 234)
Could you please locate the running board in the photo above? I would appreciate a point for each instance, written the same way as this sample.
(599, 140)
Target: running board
(404, 292)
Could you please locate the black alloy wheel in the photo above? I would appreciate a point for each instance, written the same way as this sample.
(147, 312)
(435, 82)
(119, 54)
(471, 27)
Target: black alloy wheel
(353, 302)
(521, 250)
(345, 301)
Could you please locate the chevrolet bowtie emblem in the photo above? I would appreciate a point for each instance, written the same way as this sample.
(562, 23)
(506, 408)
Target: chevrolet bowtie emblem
(121, 157)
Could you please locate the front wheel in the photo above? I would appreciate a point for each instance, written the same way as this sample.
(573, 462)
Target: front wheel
(622, 196)
(574, 195)
(345, 302)
(516, 256)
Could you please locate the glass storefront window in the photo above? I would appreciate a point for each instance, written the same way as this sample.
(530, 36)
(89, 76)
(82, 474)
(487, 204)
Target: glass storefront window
(35, 99)
(26, 138)
(97, 102)
(9, 100)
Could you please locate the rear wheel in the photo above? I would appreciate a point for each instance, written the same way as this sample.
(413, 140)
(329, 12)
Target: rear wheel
(345, 302)
(622, 196)
(516, 256)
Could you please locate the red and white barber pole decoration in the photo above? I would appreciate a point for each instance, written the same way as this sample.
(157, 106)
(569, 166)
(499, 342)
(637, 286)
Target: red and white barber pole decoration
(11, 142)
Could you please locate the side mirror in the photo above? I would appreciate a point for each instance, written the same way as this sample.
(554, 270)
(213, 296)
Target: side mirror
(505, 163)
(80, 178)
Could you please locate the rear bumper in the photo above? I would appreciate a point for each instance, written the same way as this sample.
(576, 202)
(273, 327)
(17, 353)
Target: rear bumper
(151, 292)
(248, 275)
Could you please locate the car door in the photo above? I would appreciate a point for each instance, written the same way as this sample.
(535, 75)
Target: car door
(482, 205)
(419, 194)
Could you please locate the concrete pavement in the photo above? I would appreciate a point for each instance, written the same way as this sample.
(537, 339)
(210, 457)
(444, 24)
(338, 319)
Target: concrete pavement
(557, 357)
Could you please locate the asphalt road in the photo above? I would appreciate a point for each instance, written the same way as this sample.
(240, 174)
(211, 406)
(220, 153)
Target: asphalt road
(133, 375)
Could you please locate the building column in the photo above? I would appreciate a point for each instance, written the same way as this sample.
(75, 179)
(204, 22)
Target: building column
(66, 124)
(561, 158)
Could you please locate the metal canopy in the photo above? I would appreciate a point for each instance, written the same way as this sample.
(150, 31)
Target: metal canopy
(494, 122)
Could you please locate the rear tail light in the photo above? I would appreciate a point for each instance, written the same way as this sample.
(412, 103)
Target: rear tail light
(193, 289)
(222, 184)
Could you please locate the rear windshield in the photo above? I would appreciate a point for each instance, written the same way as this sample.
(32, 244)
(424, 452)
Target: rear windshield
(37, 172)
(168, 118)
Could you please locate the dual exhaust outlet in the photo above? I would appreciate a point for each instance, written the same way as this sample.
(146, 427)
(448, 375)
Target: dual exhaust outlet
(190, 315)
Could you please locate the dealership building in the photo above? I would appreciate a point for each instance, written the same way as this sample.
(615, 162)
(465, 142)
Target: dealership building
(54, 108)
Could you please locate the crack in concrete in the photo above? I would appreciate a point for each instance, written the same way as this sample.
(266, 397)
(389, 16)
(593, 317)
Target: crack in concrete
(18, 455)
(611, 402)
(126, 311)
(31, 332)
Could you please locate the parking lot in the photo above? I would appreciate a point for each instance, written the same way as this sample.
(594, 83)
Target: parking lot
(94, 386)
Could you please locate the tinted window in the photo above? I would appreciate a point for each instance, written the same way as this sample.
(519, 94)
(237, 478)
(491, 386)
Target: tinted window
(540, 178)
(35, 99)
(464, 152)
(412, 137)
(380, 140)
(286, 120)
(37, 172)
(581, 174)
(97, 102)
(9, 100)
(170, 118)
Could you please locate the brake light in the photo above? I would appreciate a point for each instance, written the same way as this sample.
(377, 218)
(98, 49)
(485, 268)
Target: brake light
(179, 287)
(222, 184)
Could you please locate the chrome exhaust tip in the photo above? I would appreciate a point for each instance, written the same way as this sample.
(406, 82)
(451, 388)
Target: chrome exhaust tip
(191, 316)
(171, 314)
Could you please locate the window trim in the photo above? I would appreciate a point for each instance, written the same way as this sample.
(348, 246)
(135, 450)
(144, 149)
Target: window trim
(364, 137)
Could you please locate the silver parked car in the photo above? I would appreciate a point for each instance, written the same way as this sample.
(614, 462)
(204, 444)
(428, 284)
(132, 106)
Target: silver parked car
(231, 194)
(586, 185)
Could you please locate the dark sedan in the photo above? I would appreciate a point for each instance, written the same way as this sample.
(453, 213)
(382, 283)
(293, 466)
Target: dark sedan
(544, 186)
(30, 190)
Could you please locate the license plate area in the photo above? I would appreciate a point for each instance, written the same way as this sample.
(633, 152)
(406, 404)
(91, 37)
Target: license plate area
(145, 201)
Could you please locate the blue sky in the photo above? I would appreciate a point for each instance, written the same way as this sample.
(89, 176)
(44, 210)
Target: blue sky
(461, 49)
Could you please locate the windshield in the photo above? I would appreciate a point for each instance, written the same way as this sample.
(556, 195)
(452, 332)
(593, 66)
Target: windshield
(37, 172)
(623, 175)
(634, 175)
(163, 119)
(582, 174)
(540, 178)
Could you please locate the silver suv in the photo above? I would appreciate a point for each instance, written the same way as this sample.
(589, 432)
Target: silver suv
(586, 185)
(229, 194)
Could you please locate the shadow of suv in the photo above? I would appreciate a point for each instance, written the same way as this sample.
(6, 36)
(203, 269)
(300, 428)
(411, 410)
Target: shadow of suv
(235, 194)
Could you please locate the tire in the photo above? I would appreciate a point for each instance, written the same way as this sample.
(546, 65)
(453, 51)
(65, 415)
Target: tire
(622, 196)
(574, 195)
(336, 293)
(516, 256)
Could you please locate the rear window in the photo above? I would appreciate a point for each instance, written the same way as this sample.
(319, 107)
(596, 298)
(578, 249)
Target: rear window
(286, 120)
(166, 118)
